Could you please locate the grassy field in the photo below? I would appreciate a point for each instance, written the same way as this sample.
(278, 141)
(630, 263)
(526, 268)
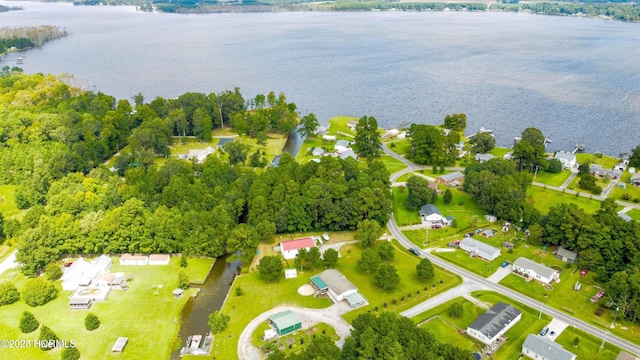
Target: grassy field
(403, 215)
(147, 314)
(588, 347)
(339, 124)
(8, 206)
(500, 151)
(607, 162)
(552, 179)
(633, 191)
(634, 214)
(542, 199)
(244, 308)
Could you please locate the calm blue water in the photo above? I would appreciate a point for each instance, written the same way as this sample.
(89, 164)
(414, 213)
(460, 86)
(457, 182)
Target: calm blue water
(576, 79)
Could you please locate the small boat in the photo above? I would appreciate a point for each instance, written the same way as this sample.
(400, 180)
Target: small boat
(195, 341)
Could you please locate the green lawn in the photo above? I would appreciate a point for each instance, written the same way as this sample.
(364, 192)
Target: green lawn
(339, 123)
(147, 314)
(392, 164)
(294, 338)
(634, 214)
(499, 152)
(401, 147)
(552, 179)
(246, 307)
(588, 346)
(8, 206)
(542, 199)
(633, 191)
(607, 162)
(403, 215)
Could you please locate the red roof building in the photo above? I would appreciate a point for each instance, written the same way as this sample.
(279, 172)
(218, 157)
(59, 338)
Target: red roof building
(290, 248)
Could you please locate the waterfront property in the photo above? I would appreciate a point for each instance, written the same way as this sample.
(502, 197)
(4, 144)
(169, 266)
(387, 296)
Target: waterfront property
(635, 179)
(289, 249)
(478, 248)
(83, 273)
(285, 322)
(540, 348)
(337, 287)
(598, 170)
(341, 146)
(567, 160)
(491, 325)
(536, 271)
(566, 255)
(481, 158)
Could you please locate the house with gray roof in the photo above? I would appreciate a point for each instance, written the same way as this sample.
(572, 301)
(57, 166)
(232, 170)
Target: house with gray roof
(535, 270)
(337, 287)
(491, 325)
(454, 178)
(318, 151)
(635, 179)
(478, 248)
(348, 153)
(540, 348)
(430, 213)
(341, 145)
(483, 157)
(566, 255)
(598, 170)
(568, 160)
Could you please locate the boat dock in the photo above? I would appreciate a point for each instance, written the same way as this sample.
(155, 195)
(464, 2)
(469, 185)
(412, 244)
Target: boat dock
(579, 148)
(193, 346)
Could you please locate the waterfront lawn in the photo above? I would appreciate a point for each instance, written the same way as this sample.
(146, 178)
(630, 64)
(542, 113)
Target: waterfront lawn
(408, 293)
(8, 206)
(259, 296)
(543, 199)
(403, 215)
(147, 314)
(198, 268)
(500, 152)
(552, 179)
(588, 346)
(605, 161)
(339, 124)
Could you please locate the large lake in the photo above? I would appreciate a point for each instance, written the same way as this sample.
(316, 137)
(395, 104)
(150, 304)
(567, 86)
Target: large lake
(576, 79)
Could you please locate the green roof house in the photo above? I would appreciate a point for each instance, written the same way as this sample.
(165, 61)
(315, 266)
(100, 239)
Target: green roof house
(285, 322)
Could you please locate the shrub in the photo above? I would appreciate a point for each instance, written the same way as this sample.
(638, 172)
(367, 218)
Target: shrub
(456, 310)
(53, 271)
(626, 196)
(38, 292)
(46, 335)
(8, 293)
(70, 353)
(28, 322)
(218, 322)
(183, 280)
(91, 322)
(636, 200)
(183, 261)
(239, 291)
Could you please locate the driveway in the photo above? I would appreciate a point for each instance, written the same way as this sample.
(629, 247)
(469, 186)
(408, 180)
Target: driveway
(9, 262)
(500, 274)
(310, 317)
(465, 288)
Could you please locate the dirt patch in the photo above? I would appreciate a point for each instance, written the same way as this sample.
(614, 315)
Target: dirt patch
(306, 290)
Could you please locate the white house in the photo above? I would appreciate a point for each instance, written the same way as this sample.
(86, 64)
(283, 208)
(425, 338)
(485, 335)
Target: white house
(128, 259)
(337, 287)
(341, 146)
(289, 249)
(318, 151)
(536, 271)
(431, 213)
(540, 348)
(329, 137)
(483, 157)
(200, 155)
(491, 325)
(478, 248)
(352, 125)
(348, 153)
(568, 160)
(82, 273)
(159, 259)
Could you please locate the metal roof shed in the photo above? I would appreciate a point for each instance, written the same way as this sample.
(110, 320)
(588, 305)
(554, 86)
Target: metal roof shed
(285, 322)
(120, 344)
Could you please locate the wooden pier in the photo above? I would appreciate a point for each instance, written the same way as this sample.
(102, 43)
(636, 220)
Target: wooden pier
(579, 148)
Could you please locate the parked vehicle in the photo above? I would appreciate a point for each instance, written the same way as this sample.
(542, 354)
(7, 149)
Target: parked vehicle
(504, 264)
(436, 226)
(414, 251)
(584, 272)
(544, 331)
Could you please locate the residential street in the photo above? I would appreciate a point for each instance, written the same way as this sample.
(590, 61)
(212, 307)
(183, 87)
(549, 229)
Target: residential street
(471, 278)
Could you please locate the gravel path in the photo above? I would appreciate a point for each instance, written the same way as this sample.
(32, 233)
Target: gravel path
(310, 317)
(9, 262)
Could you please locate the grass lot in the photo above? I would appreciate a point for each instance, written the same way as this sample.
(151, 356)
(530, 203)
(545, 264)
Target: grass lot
(499, 152)
(401, 147)
(634, 214)
(607, 162)
(588, 347)
(339, 124)
(8, 206)
(146, 313)
(244, 308)
(633, 191)
(543, 199)
(294, 338)
(552, 179)
(392, 164)
(403, 215)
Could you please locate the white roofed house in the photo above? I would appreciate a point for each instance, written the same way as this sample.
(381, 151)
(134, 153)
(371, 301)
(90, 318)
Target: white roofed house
(337, 287)
(540, 348)
(200, 155)
(318, 151)
(431, 213)
(494, 323)
(341, 146)
(349, 153)
(536, 271)
(83, 273)
(478, 248)
(568, 160)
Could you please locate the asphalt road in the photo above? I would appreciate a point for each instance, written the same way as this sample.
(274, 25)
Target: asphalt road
(471, 277)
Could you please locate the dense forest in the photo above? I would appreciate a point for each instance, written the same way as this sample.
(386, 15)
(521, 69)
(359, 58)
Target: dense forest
(34, 35)
(55, 139)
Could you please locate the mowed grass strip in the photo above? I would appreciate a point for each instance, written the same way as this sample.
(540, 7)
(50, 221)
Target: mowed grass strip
(588, 346)
(543, 199)
(147, 314)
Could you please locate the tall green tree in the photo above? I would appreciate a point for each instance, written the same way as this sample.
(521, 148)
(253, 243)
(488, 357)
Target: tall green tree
(367, 138)
(368, 232)
(425, 270)
(386, 251)
(8, 293)
(387, 277)
(308, 125)
(369, 261)
(456, 122)
(218, 322)
(330, 257)
(482, 143)
(270, 268)
(419, 193)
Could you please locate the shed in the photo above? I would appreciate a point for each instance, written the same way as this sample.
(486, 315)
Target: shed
(566, 255)
(177, 293)
(329, 137)
(120, 344)
(159, 259)
(128, 259)
(80, 303)
(290, 273)
(285, 322)
(489, 233)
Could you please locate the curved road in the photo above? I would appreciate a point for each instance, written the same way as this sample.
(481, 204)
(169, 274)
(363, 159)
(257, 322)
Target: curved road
(595, 331)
